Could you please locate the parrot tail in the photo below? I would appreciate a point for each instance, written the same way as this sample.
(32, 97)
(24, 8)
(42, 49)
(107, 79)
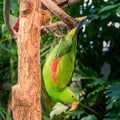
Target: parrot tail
(80, 24)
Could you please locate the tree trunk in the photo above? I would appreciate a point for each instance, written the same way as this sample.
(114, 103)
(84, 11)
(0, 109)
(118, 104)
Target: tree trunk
(26, 93)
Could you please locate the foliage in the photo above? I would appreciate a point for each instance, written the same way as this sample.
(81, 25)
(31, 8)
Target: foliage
(8, 67)
(96, 79)
(97, 61)
(1, 12)
(113, 104)
(58, 109)
(3, 114)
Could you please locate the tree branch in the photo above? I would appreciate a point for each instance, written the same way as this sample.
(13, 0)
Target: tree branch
(65, 3)
(58, 26)
(6, 10)
(59, 13)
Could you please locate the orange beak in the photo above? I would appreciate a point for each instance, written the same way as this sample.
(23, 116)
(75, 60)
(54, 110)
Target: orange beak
(74, 105)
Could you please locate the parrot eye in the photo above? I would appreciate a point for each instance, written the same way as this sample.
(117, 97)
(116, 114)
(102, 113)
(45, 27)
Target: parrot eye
(72, 96)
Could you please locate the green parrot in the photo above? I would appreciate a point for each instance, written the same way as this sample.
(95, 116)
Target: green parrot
(59, 66)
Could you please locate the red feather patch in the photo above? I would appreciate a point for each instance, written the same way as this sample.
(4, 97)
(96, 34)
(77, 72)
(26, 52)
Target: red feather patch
(54, 68)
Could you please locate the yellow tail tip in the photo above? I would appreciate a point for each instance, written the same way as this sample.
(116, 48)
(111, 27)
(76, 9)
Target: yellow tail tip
(81, 18)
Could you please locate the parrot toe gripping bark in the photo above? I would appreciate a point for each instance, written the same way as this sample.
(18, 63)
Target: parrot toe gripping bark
(59, 66)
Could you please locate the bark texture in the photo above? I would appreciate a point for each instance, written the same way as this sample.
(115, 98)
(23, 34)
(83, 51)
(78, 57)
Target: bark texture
(65, 3)
(26, 93)
(58, 26)
(67, 22)
(59, 13)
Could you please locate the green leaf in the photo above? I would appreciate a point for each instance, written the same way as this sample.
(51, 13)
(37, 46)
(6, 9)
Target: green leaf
(105, 16)
(109, 106)
(44, 117)
(58, 109)
(118, 10)
(109, 7)
(5, 49)
(113, 91)
(3, 115)
(75, 113)
(78, 77)
(89, 117)
(14, 6)
(96, 82)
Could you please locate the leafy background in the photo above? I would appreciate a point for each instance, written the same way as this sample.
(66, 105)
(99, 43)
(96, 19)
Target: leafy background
(96, 77)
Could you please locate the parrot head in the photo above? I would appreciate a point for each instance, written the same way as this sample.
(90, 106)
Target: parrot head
(68, 96)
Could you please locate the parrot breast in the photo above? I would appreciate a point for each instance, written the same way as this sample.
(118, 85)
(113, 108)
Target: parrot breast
(54, 69)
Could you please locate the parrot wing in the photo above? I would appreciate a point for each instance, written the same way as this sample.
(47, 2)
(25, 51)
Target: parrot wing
(64, 71)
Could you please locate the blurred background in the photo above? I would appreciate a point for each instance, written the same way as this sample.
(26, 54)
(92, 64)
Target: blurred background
(96, 78)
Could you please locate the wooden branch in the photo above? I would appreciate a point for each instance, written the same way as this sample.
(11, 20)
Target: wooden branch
(60, 2)
(59, 13)
(6, 10)
(65, 3)
(58, 26)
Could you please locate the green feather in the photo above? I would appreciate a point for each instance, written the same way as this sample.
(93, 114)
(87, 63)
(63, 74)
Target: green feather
(66, 50)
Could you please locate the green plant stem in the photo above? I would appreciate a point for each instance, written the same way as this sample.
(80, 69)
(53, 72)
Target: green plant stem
(93, 111)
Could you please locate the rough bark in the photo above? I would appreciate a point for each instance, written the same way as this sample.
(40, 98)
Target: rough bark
(64, 24)
(69, 3)
(26, 93)
(59, 13)
(65, 3)
(58, 26)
